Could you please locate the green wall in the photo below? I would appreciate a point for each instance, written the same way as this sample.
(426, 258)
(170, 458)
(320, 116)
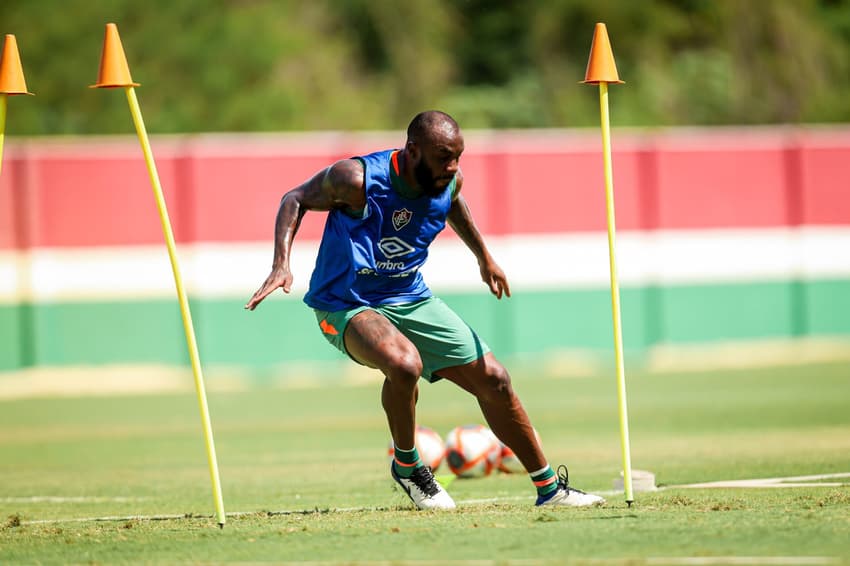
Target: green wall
(284, 330)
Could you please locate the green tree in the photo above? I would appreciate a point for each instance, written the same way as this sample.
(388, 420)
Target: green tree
(272, 65)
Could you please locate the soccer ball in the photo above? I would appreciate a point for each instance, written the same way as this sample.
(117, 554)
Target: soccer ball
(509, 463)
(472, 451)
(429, 444)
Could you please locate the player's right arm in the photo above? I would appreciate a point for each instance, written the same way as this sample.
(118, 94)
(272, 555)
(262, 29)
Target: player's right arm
(338, 186)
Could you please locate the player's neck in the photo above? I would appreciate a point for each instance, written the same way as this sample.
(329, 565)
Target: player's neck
(408, 187)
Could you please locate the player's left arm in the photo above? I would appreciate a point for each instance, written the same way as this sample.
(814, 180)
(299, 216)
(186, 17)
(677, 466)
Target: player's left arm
(460, 219)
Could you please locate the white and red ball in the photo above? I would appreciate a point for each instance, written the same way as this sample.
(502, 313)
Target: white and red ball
(472, 451)
(429, 444)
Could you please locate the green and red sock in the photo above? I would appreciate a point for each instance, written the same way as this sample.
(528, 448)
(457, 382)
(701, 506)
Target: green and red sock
(545, 481)
(406, 461)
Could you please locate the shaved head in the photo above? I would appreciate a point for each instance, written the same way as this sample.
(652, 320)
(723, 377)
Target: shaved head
(433, 149)
(430, 126)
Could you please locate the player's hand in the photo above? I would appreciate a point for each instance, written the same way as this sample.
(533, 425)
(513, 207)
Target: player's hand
(495, 278)
(278, 278)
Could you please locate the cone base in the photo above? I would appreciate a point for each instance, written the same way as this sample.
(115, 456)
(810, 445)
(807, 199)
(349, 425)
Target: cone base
(596, 82)
(16, 92)
(107, 85)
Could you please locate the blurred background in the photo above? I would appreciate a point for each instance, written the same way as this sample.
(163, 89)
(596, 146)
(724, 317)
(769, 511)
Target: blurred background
(731, 144)
(263, 65)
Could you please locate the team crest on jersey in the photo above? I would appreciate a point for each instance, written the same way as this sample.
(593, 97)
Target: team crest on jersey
(401, 218)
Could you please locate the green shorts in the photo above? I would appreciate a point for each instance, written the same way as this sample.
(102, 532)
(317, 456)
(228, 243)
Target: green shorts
(441, 336)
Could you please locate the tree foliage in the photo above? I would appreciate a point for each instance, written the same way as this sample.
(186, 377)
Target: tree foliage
(272, 65)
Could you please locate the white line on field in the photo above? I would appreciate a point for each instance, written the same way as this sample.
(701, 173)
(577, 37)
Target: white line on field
(116, 519)
(687, 561)
(69, 499)
(740, 560)
(494, 499)
(237, 514)
(791, 481)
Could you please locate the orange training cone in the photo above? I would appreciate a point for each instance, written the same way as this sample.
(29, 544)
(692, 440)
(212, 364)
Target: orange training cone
(114, 71)
(600, 66)
(11, 72)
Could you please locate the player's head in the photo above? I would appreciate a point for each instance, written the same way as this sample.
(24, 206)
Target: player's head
(434, 145)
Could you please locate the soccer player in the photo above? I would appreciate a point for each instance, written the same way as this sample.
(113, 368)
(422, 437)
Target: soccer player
(372, 303)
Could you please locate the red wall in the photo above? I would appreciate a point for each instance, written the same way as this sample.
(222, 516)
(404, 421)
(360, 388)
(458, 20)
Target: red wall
(226, 188)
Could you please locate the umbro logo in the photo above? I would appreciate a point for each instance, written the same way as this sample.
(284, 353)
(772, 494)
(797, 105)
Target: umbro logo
(394, 247)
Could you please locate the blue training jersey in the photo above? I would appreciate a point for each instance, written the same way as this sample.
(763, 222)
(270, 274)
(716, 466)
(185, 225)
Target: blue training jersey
(374, 259)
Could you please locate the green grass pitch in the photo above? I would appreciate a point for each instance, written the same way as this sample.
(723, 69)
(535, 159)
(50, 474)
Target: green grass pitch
(305, 477)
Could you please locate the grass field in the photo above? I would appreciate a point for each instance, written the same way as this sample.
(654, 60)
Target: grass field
(304, 476)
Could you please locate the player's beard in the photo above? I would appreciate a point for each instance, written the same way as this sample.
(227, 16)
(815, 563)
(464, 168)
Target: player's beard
(426, 181)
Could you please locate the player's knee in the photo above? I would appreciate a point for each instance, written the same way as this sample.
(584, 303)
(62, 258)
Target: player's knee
(497, 384)
(403, 367)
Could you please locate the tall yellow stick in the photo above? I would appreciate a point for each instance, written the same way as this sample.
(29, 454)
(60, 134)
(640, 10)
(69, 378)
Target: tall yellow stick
(615, 295)
(114, 73)
(3, 98)
(184, 302)
(602, 70)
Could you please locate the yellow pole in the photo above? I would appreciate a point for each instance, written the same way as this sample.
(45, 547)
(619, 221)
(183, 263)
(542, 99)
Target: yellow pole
(615, 294)
(3, 98)
(184, 303)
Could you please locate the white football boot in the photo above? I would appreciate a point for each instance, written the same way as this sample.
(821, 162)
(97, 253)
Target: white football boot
(568, 496)
(423, 489)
